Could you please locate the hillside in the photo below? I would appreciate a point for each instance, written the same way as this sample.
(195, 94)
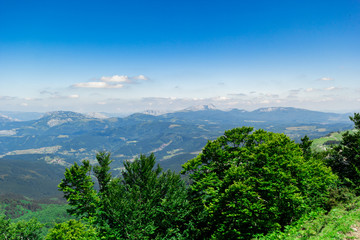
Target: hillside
(63, 137)
(60, 138)
(34, 179)
(324, 143)
(342, 222)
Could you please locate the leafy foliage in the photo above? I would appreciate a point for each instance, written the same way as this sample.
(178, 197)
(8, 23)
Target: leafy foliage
(19, 230)
(146, 203)
(321, 225)
(15, 206)
(21, 209)
(102, 171)
(305, 145)
(345, 157)
(72, 230)
(78, 190)
(254, 182)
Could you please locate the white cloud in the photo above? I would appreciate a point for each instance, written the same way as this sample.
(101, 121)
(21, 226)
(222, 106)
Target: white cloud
(221, 98)
(116, 81)
(56, 95)
(310, 90)
(271, 95)
(141, 77)
(116, 78)
(331, 88)
(123, 78)
(74, 96)
(326, 79)
(326, 99)
(237, 95)
(97, 85)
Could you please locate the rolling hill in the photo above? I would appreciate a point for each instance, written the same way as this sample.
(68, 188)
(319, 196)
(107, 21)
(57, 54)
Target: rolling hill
(58, 139)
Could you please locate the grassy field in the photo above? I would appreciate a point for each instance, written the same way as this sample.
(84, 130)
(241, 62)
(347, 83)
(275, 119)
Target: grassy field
(342, 222)
(324, 143)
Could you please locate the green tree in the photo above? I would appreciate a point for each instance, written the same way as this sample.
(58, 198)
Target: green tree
(78, 189)
(249, 182)
(145, 203)
(154, 202)
(305, 145)
(101, 171)
(72, 230)
(22, 230)
(345, 157)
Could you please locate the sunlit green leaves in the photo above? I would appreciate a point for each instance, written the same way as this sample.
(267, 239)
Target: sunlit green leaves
(20, 230)
(345, 157)
(252, 182)
(72, 230)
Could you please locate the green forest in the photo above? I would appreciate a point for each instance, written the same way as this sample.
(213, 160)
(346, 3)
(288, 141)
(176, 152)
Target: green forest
(246, 184)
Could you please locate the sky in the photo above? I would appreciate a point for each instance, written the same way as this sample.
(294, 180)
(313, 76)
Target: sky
(131, 56)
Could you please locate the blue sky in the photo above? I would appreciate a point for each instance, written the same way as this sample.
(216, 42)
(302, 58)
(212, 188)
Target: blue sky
(129, 56)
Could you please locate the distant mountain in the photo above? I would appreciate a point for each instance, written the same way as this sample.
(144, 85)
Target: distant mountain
(60, 117)
(298, 115)
(62, 137)
(4, 119)
(22, 116)
(200, 108)
(96, 115)
(153, 112)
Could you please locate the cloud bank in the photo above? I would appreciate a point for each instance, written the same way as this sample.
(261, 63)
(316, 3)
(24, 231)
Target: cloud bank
(115, 81)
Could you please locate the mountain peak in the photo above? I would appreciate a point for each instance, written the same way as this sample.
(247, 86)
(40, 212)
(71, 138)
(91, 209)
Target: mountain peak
(96, 115)
(201, 108)
(153, 112)
(272, 109)
(59, 117)
(63, 114)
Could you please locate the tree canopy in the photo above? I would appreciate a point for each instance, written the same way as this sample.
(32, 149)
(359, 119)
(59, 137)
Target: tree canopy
(345, 157)
(20, 230)
(145, 203)
(250, 182)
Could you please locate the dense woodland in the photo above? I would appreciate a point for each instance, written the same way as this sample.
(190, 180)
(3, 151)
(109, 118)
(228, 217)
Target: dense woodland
(246, 184)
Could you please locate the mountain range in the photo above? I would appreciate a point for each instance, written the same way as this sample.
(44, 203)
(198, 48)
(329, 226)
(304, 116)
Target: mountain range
(56, 140)
(63, 137)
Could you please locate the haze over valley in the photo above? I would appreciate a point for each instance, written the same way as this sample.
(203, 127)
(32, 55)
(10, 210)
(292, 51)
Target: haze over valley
(61, 138)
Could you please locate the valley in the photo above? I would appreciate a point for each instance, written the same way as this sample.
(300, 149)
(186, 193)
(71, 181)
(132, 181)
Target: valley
(35, 152)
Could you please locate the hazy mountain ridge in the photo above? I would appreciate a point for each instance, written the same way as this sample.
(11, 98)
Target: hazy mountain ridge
(22, 116)
(63, 137)
(28, 116)
(4, 119)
